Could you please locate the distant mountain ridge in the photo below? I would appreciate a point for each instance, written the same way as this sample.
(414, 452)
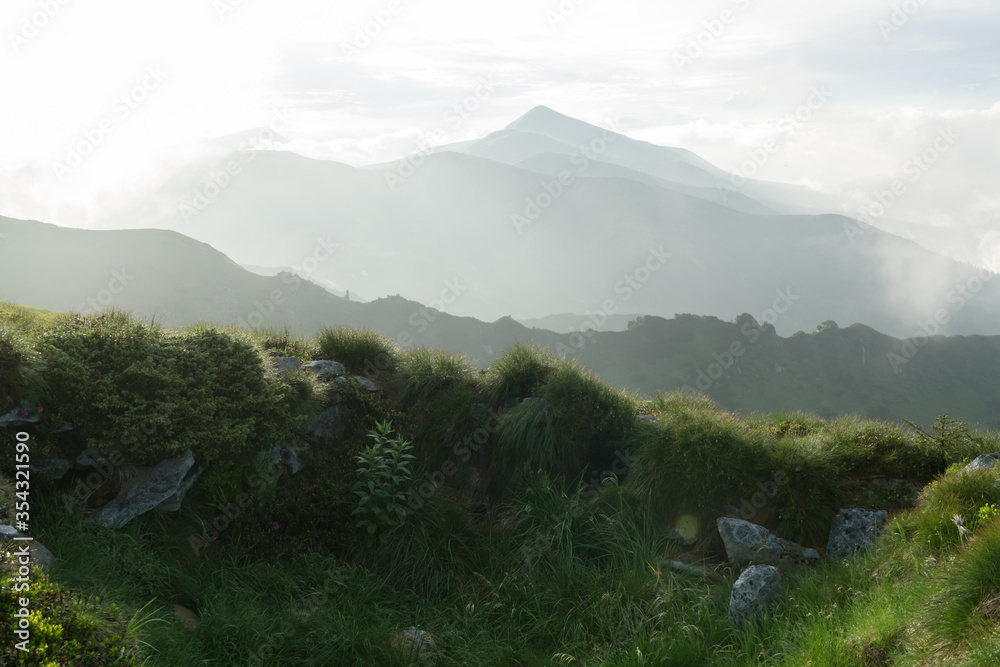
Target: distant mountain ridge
(582, 207)
(743, 364)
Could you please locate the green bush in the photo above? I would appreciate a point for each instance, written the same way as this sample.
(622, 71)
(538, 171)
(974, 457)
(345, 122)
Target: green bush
(20, 378)
(362, 351)
(152, 394)
(384, 472)
(960, 493)
(423, 373)
(517, 373)
(967, 603)
(812, 489)
(697, 458)
(281, 345)
(305, 393)
(880, 448)
(66, 628)
(578, 423)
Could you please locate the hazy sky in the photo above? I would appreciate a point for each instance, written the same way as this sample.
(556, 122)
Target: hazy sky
(717, 78)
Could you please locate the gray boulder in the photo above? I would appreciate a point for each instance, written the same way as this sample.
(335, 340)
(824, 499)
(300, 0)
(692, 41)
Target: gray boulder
(984, 462)
(173, 503)
(51, 469)
(37, 552)
(748, 543)
(854, 530)
(149, 489)
(329, 424)
(362, 380)
(26, 414)
(285, 365)
(757, 591)
(92, 457)
(326, 369)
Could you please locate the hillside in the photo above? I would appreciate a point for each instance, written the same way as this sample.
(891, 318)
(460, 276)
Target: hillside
(532, 515)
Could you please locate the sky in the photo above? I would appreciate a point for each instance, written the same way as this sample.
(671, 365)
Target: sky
(848, 95)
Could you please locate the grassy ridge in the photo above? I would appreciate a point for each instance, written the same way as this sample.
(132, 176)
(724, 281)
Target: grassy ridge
(541, 536)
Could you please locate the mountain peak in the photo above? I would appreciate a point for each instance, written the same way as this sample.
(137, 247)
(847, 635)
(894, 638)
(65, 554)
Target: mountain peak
(543, 120)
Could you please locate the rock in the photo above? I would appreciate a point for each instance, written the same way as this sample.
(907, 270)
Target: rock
(37, 552)
(173, 503)
(326, 369)
(757, 591)
(150, 488)
(329, 424)
(285, 365)
(413, 641)
(291, 455)
(26, 414)
(984, 462)
(648, 418)
(51, 469)
(92, 457)
(362, 380)
(188, 618)
(854, 530)
(748, 543)
(532, 399)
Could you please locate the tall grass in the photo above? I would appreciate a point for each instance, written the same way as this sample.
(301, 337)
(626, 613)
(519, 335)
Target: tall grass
(517, 373)
(362, 351)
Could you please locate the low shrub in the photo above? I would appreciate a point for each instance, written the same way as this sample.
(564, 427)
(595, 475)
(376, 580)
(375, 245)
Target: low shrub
(20, 377)
(577, 423)
(812, 489)
(422, 373)
(958, 494)
(150, 394)
(696, 458)
(66, 628)
(517, 373)
(362, 351)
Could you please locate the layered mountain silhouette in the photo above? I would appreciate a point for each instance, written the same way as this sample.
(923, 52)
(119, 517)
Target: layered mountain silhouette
(742, 363)
(554, 215)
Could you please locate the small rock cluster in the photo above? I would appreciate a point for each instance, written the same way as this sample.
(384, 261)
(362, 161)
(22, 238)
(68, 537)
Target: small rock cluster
(758, 589)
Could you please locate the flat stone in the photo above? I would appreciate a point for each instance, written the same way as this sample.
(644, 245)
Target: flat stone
(748, 543)
(325, 368)
(173, 503)
(152, 487)
(285, 365)
(51, 469)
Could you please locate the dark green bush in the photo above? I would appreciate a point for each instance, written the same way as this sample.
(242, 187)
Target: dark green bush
(150, 394)
(697, 458)
(19, 369)
(517, 373)
(960, 493)
(362, 351)
(423, 373)
(578, 424)
(811, 488)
